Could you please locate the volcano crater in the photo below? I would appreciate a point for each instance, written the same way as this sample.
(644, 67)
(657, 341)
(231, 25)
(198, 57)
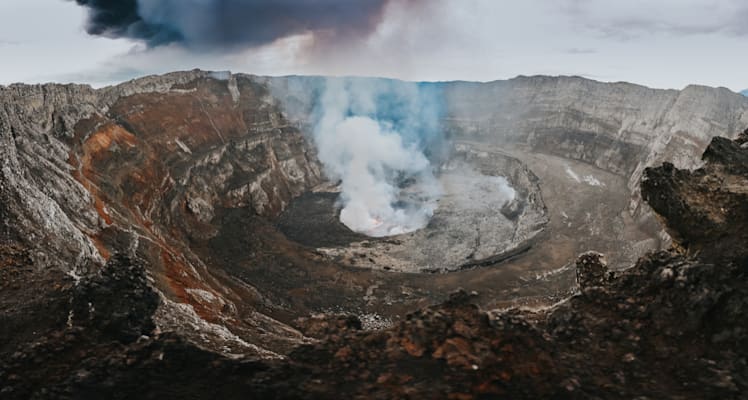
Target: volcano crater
(216, 185)
(491, 210)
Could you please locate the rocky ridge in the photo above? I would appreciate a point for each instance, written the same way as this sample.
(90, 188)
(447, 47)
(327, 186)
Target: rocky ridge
(619, 127)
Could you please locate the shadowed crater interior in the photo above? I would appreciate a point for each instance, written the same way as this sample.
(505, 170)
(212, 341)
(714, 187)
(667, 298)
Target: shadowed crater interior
(313, 219)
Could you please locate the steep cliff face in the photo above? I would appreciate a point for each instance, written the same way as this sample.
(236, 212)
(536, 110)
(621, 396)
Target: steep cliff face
(143, 168)
(35, 172)
(619, 127)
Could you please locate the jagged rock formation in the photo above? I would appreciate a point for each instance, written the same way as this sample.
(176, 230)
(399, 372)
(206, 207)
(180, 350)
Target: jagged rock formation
(163, 192)
(700, 207)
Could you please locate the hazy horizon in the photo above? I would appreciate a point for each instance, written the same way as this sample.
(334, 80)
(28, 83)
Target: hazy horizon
(665, 44)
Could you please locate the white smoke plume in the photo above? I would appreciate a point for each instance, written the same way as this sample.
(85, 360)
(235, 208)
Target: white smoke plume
(387, 183)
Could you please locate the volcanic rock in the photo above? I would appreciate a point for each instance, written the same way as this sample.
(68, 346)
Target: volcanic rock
(592, 270)
(116, 301)
(140, 253)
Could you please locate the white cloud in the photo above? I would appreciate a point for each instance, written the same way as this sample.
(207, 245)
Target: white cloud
(44, 39)
(634, 18)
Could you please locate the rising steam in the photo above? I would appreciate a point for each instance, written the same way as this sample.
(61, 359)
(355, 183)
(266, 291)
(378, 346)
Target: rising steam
(371, 136)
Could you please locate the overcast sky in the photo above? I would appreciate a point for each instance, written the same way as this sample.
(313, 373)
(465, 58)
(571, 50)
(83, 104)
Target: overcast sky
(658, 43)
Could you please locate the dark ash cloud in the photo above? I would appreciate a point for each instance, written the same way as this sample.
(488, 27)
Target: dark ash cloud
(120, 18)
(230, 23)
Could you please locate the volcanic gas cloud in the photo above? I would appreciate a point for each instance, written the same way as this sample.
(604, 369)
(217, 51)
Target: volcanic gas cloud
(373, 138)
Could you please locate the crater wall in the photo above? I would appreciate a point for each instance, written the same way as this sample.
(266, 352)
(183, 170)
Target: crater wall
(188, 173)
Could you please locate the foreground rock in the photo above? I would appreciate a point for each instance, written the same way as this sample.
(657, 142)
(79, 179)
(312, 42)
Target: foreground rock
(671, 326)
(703, 208)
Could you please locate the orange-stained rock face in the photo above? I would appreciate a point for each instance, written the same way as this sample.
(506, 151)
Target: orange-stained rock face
(160, 165)
(103, 139)
(182, 280)
(94, 153)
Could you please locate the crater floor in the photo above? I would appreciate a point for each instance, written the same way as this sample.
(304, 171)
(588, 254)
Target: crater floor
(479, 220)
